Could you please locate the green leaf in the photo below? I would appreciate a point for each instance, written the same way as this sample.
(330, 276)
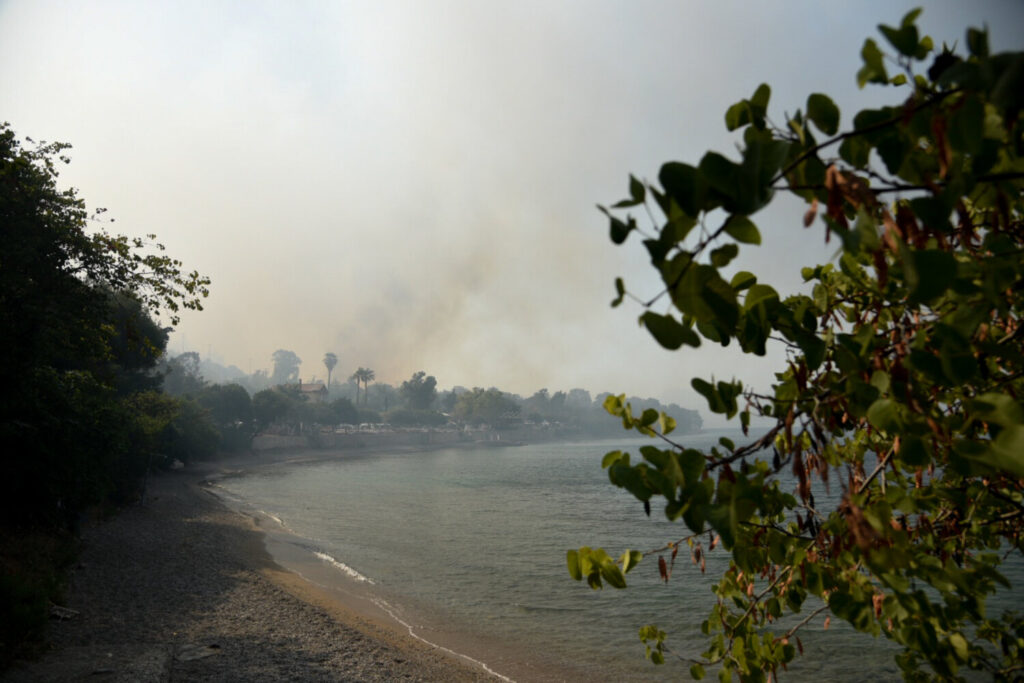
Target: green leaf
(885, 414)
(929, 274)
(742, 280)
(625, 203)
(713, 332)
(637, 190)
(873, 70)
(977, 42)
(631, 479)
(813, 348)
(1008, 91)
(702, 387)
(720, 398)
(759, 294)
(967, 126)
(649, 417)
(611, 573)
(692, 463)
(933, 212)
(762, 159)
(686, 185)
(658, 249)
(914, 451)
(573, 560)
(823, 112)
(1007, 450)
(881, 381)
(697, 672)
(610, 459)
(721, 175)
(721, 256)
(959, 644)
(855, 151)
(737, 115)
(668, 331)
(745, 188)
(910, 17)
(998, 408)
(667, 424)
(703, 294)
(742, 229)
(866, 230)
(904, 39)
(893, 149)
(613, 404)
(620, 292)
(630, 559)
(619, 230)
(750, 111)
(760, 97)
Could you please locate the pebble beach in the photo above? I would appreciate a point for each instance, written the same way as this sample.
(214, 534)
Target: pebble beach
(180, 588)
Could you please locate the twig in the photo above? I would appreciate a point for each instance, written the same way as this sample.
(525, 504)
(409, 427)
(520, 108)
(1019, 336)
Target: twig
(700, 247)
(879, 468)
(757, 598)
(860, 131)
(744, 451)
(804, 621)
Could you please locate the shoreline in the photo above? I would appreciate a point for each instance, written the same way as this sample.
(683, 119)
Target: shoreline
(183, 587)
(317, 577)
(326, 581)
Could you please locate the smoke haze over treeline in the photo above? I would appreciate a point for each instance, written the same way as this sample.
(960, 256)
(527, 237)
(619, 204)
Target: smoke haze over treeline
(412, 185)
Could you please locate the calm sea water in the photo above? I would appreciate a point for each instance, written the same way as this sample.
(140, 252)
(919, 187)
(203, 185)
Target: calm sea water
(467, 548)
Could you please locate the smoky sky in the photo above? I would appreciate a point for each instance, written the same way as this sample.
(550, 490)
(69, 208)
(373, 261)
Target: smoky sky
(412, 185)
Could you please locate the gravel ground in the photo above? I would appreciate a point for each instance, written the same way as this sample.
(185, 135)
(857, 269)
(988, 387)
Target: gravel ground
(182, 589)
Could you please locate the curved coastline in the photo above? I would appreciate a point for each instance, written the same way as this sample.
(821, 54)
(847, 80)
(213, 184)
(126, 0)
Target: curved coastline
(183, 587)
(333, 584)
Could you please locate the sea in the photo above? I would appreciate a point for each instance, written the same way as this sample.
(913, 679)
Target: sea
(465, 549)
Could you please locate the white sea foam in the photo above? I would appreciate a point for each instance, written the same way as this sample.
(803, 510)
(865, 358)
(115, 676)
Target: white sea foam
(274, 517)
(382, 604)
(238, 502)
(343, 567)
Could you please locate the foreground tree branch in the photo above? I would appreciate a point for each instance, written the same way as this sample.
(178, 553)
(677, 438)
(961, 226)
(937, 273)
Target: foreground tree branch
(902, 384)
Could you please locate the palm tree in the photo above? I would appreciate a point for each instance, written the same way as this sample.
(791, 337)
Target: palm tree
(330, 360)
(368, 377)
(357, 377)
(364, 375)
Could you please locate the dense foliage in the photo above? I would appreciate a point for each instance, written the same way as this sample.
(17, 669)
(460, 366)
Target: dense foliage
(78, 341)
(478, 406)
(903, 377)
(419, 391)
(285, 407)
(82, 420)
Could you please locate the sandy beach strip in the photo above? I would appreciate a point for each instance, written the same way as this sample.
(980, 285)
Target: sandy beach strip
(182, 589)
